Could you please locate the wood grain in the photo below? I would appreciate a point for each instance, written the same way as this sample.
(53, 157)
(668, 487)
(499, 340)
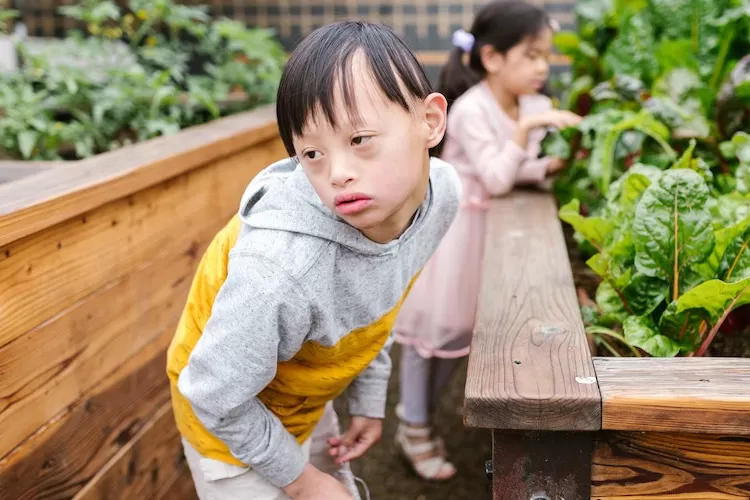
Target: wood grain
(48, 368)
(63, 456)
(182, 488)
(706, 395)
(45, 273)
(635, 465)
(541, 465)
(15, 170)
(529, 366)
(30, 205)
(153, 458)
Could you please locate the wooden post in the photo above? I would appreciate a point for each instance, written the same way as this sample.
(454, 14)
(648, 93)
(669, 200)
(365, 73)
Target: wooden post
(531, 377)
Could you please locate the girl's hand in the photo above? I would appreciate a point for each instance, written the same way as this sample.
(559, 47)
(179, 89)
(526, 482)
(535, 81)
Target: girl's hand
(555, 165)
(363, 432)
(553, 118)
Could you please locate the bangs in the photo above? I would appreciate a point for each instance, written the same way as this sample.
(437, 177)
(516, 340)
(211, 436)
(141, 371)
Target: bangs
(323, 67)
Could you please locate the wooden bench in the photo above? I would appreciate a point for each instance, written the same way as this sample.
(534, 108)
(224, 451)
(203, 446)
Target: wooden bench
(566, 425)
(96, 259)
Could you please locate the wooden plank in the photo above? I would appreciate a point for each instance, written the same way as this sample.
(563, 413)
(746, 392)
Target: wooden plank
(48, 368)
(30, 205)
(47, 272)
(63, 456)
(153, 457)
(182, 488)
(662, 466)
(541, 465)
(710, 395)
(529, 367)
(15, 170)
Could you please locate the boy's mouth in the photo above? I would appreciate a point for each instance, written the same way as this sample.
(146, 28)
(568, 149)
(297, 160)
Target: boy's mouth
(351, 203)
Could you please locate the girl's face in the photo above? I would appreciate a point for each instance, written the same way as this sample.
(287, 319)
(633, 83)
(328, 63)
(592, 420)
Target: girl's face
(372, 169)
(524, 68)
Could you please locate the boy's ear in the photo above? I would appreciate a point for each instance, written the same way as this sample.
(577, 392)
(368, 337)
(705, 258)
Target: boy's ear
(435, 118)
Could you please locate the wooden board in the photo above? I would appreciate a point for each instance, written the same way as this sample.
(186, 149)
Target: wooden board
(31, 205)
(182, 488)
(706, 395)
(63, 456)
(15, 170)
(671, 466)
(153, 458)
(46, 273)
(48, 368)
(541, 465)
(529, 367)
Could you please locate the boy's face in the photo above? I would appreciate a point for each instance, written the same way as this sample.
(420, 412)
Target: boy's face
(372, 171)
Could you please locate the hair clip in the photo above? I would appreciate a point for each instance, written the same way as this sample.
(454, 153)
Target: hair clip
(463, 40)
(554, 25)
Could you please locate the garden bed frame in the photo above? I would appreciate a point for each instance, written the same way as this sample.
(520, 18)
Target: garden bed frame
(96, 259)
(566, 425)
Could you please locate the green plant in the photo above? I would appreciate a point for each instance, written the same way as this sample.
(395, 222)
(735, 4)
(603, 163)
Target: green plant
(673, 255)
(146, 71)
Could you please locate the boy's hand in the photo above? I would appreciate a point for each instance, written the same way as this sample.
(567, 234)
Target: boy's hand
(314, 484)
(362, 434)
(555, 165)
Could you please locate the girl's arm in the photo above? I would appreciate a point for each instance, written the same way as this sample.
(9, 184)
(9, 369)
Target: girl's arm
(500, 164)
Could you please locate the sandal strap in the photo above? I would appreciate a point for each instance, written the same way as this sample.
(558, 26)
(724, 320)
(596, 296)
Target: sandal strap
(430, 467)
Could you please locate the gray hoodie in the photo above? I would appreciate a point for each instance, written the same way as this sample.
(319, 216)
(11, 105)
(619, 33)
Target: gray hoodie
(305, 311)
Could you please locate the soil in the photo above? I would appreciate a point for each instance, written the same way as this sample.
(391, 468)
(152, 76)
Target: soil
(387, 474)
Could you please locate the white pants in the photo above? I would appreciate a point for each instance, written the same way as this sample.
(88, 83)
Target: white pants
(215, 480)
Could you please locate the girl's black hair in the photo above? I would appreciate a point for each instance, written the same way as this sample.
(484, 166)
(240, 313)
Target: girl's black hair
(323, 60)
(502, 24)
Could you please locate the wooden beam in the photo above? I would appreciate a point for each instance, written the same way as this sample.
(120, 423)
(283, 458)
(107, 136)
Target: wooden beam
(47, 272)
(47, 369)
(674, 466)
(541, 465)
(529, 367)
(153, 457)
(706, 395)
(64, 455)
(31, 205)
(182, 488)
(15, 170)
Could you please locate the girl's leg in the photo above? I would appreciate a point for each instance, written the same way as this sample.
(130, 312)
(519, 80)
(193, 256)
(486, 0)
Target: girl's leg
(414, 434)
(442, 371)
(329, 427)
(415, 385)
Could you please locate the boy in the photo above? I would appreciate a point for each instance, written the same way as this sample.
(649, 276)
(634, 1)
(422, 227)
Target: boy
(294, 300)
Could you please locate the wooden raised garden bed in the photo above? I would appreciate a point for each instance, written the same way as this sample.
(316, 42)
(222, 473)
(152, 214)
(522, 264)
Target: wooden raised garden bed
(566, 425)
(96, 258)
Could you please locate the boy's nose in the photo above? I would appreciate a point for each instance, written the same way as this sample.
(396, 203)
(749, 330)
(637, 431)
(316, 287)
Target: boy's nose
(341, 172)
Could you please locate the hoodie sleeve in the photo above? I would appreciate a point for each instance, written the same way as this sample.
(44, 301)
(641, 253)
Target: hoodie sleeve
(257, 308)
(367, 393)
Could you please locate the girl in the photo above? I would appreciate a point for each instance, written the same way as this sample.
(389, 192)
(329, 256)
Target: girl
(496, 122)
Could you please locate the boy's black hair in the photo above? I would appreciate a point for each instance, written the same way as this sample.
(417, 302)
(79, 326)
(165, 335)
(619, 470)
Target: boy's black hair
(323, 60)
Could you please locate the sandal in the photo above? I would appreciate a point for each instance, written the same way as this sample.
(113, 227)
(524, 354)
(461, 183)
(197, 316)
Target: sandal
(428, 457)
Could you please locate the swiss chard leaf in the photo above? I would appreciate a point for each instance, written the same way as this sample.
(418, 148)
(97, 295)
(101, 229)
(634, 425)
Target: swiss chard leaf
(642, 333)
(672, 229)
(735, 263)
(595, 229)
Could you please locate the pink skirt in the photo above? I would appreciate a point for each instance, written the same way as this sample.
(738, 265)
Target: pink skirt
(437, 317)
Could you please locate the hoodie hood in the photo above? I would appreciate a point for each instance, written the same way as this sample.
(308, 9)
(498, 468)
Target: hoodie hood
(294, 206)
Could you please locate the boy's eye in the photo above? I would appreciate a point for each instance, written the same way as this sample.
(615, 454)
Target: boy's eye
(312, 155)
(360, 139)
